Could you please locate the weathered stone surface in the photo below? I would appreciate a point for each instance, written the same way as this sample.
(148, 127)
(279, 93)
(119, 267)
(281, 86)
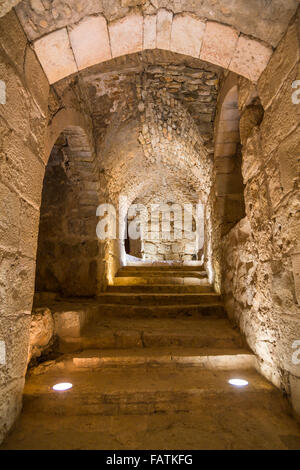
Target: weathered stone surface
(282, 117)
(269, 26)
(41, 332)
(164, 28)
(36, 80)
(250, 58)
(126, 35)
(296, 272)
(10, 213)
(13, 39)
(6, 6)
(149, 32)
(187, 34)
(288, 161)
(295, 393)
(68, 324)
(90, 41)
(55, 54)
(283, 60)
(251, 117)
(219, 44)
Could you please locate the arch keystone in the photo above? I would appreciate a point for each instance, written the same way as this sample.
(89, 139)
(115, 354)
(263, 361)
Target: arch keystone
(55, 55)
(187, 34)
(126, 35)
(90, 42)
(218, 44)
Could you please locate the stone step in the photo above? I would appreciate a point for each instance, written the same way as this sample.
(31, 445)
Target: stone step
(118, 298)
(143, 333)
(161, 273)
(159, 280)
(113, 391)
(161, 289)
(163, 267)
(215, 310)
(204, 358)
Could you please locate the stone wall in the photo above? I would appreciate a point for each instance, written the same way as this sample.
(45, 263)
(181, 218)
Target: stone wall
(68, 248)
(261, 253)
(162, 236)
(23, 120)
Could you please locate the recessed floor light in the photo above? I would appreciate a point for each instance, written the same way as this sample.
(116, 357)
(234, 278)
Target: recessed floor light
(238, 382)
(62, 387)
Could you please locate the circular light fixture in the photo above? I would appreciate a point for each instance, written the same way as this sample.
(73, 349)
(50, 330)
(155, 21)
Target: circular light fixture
(238, 382)
(62, 387)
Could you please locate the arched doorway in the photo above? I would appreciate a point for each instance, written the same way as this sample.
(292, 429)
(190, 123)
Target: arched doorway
(67, 245)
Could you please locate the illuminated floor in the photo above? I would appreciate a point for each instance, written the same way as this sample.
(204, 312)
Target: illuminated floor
(152, 407)
(151, 371)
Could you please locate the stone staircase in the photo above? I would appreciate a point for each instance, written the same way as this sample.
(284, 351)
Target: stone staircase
(150, 369)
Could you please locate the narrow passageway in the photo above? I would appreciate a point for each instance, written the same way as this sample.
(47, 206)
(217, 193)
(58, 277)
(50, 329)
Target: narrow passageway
(149, 224)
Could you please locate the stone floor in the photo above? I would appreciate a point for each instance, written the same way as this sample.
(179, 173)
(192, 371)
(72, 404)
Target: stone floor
(148, 407)
(148, 373)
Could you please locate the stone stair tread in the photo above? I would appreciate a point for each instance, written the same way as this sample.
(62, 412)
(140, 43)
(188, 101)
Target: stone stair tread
(159, 288)
(214, 327)
(162, 294)
(162, 351)
(159, 280)
(136, 380)
(149, 269)
(174, 274)
(204, 357)
(145, 333)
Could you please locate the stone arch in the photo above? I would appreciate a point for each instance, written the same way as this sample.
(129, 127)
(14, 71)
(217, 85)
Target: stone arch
(229, 187)
(93, 40)
(67, 253)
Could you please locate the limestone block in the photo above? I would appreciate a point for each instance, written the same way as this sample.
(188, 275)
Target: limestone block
(288, 158)
(225, 164)
(126, 35)
(132, 3)
(295, 393)
(187, 34)
(69, 323)
(190, 248)
(252, 158)
(164, 28)
(15, 332)
(29, 229)
(17, 279)
(281, 63)
(149, 32)
(296, 273)
(41, 332)
(281, 117)
(18, 103)
(13, 39)
(90, 42)
(150, 248)
(55, 55)
(10, 405)
(9, 217)
(36, 80)
(251, 117)
(228, 184)
(250, 58)
(225, 149)
(219, 44)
